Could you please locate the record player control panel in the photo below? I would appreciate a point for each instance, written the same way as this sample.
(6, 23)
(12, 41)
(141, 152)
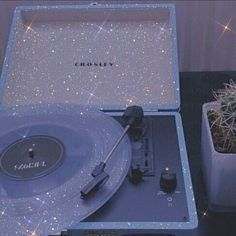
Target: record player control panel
(154, 189)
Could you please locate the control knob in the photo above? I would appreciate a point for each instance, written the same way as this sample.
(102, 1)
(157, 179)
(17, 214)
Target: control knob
(168, 181)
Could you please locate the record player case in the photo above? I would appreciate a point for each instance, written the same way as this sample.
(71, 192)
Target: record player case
(108, 57)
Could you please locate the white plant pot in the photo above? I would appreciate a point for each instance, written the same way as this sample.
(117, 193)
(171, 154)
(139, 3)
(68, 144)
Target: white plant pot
(219, 169)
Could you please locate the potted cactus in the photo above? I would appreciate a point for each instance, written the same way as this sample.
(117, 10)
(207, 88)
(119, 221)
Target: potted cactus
(219, 149)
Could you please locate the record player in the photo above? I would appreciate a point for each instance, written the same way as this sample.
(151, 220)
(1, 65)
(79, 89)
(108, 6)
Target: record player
(91, 139)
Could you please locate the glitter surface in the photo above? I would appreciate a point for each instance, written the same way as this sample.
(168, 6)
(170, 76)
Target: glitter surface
(106, 61)
(41, 205)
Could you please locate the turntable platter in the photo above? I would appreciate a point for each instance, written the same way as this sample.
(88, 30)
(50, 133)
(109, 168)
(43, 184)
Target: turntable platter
(47, 153)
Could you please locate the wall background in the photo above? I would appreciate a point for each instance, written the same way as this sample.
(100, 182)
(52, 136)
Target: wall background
(202, 45)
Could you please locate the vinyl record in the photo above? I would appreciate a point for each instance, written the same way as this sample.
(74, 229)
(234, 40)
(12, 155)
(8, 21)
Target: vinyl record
(47, 153)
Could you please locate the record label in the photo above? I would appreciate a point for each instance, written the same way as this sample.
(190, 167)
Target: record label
(32, 157)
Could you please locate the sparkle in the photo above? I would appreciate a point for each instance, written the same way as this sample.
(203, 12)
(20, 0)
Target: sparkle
(29, 27)
(2, 213)
(129, 100)
(226, 28)
(101, 27)
(204, 213)
(92, 93)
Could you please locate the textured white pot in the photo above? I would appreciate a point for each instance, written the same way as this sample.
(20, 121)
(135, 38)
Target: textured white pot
(219, 169)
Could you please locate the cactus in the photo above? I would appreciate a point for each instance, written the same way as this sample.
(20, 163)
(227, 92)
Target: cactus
(223, 120)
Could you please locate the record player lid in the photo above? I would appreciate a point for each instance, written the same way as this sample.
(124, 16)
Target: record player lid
(104, 56)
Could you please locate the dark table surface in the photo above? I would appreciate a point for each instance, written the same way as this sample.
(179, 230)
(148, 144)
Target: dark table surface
(196, 89)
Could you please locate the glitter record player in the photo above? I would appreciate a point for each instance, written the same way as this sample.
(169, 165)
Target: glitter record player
(91, 141)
